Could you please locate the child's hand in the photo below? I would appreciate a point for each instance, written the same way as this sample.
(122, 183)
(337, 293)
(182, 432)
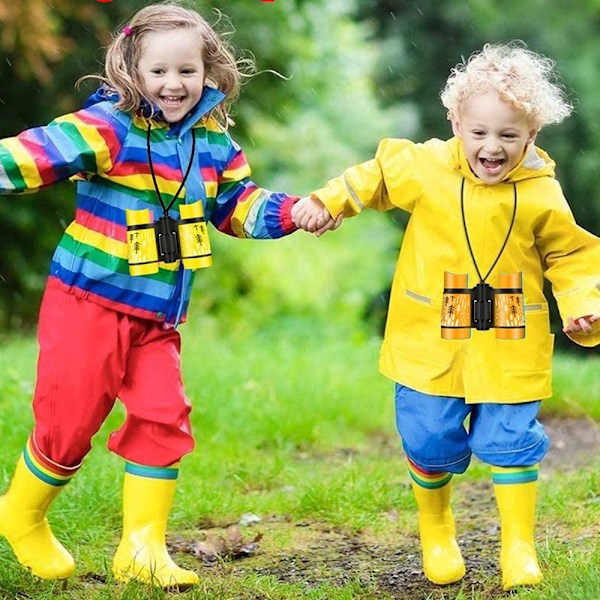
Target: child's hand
(581, 324)
(310, 214)
(330, 224)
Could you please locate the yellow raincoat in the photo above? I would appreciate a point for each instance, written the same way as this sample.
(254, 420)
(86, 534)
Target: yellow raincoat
(425, 180)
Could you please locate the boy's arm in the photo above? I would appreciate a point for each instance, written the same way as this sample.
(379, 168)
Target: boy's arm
(583, 324)
(571, 261)
(387, 181)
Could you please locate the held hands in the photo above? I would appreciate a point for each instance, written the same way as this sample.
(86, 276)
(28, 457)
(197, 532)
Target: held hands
(311, 215)
(582, 324)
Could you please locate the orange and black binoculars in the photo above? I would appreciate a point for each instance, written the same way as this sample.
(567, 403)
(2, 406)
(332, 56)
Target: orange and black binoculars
(167, 240)
(483, 307)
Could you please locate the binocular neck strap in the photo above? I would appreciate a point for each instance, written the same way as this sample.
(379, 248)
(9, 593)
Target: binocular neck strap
(187, 172)
(512, 222)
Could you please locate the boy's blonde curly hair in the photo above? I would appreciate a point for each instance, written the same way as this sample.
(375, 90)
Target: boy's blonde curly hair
(520, 76)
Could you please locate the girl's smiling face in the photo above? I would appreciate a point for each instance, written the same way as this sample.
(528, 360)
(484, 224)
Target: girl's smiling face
(172, 71)
(494, 134)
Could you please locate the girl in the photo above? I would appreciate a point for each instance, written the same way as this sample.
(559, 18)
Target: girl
(485, 206)
(148, 146)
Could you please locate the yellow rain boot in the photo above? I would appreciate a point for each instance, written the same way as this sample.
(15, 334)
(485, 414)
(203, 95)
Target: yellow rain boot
(142, 554)
(442, 560)
(515, 490)
(24, 524)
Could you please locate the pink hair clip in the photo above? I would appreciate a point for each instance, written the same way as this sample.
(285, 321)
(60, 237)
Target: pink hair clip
(127, 31)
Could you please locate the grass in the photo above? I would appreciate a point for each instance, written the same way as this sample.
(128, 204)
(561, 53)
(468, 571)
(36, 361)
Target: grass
(278, 434)
(576, 387)
(294, 424)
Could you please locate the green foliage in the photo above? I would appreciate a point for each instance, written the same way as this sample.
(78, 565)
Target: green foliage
(298, 135)
(576, 386)
(34, 231)
(251, 282)
(29, 98)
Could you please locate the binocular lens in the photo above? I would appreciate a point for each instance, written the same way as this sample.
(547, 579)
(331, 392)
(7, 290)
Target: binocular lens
(142, 254)
(456, 307)
(193, 237)
(509, 317)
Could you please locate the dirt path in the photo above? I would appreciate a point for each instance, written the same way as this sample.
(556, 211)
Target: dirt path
(317, 554)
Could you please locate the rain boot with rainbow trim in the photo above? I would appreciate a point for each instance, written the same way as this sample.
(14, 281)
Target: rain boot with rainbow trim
(23, 519)
(142, 554)
(515, 490)
(442, 560)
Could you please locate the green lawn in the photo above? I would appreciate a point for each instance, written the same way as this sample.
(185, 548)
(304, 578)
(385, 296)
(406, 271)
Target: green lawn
(295, 423)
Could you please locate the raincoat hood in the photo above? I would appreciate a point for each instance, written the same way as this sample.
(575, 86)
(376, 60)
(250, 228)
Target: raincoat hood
(534, 163)
(210, 98)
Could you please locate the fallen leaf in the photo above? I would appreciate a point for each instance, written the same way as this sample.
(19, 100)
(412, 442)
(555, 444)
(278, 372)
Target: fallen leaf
(210, 549)
(215, 546)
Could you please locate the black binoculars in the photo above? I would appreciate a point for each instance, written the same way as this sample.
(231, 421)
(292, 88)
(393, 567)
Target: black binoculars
(483, 307)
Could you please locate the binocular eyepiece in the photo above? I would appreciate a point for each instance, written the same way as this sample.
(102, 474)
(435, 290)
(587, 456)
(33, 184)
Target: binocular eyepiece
(167, 240)
(483, 307)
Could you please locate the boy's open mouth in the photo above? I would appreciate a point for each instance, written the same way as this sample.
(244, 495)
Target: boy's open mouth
(492, 165)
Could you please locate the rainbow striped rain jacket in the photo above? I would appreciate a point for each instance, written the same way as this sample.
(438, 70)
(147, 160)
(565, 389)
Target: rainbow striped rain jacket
(105, 151)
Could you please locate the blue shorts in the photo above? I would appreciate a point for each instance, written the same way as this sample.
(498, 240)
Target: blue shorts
(436, 436)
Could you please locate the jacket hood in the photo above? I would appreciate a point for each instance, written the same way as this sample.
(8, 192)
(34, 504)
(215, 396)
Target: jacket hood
(210, 98)
(535, 163)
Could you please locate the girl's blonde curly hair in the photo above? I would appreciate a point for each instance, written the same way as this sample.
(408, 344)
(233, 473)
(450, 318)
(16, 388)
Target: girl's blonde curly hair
(520, 76)
(222, 70)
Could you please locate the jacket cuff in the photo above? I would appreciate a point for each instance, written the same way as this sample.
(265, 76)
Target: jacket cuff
(588, 340)
(578, 303)
(287, 223)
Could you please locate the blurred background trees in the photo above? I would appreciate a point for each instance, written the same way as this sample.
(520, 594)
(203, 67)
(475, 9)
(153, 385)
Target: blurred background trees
(334, 77)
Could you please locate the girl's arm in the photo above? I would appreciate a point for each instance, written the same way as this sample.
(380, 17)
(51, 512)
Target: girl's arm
(71, 144)
(245, 210)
